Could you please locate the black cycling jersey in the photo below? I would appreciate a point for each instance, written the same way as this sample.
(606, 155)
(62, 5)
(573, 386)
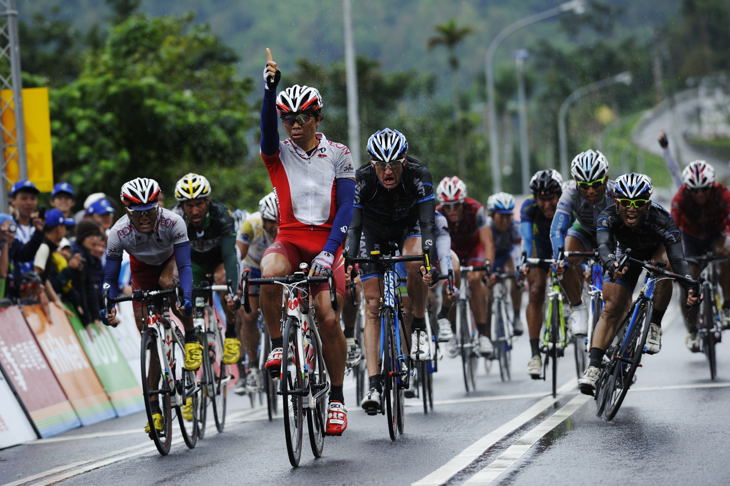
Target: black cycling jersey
(409, 204)
(215, 241)
(656, 228)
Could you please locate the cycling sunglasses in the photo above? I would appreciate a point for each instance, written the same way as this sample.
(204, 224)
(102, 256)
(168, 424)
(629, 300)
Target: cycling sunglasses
(393, 164)
(301, 117)
(697, 190)
(592, 184)
(632, 203)
(150, 213)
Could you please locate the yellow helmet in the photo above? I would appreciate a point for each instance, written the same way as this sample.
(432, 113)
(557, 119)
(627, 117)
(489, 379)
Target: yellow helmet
(192, 186)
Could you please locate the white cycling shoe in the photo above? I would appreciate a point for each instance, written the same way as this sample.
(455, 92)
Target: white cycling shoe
(485, 347)
(534, 367)
(578, 320)
(587, 382)
(420, 347)
(654, 339)
(445, 332)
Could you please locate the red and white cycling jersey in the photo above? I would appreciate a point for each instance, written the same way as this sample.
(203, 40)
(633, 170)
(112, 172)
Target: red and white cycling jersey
(305, 184)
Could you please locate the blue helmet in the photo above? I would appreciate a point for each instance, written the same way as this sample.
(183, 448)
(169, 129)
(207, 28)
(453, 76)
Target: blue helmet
(633, 186)
(387, 145)
(501, 203)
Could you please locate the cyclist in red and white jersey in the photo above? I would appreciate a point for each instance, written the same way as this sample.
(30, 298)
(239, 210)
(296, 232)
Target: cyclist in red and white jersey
(471, 240)
(701, 210)
(314, 182)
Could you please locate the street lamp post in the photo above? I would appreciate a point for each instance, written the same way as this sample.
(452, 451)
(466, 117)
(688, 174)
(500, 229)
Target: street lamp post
(624, 78)
(576, 6)
(520, 56)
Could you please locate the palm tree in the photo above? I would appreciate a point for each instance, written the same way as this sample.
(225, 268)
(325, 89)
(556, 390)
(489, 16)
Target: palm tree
(450, 35)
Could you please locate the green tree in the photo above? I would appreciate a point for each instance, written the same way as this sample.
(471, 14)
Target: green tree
(159, 99)
(450, 35)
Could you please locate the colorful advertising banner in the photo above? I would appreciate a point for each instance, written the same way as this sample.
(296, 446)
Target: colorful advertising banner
(128, 339)
(33, 380)
(110, 365)
(68, 361)
(14, 425)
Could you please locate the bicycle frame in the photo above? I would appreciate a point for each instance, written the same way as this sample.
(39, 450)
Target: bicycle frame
(391, 303)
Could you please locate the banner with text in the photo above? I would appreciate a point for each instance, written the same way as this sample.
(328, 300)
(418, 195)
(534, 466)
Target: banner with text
(14, 425)
(65, 356)
(33, 380)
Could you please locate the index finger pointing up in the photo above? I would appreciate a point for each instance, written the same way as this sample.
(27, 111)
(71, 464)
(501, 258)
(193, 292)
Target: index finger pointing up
(269, 57)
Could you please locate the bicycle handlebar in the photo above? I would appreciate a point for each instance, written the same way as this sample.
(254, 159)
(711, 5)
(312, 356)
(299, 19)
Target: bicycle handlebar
(387, 259)
(142, 295)
(654, 268)
(708, 257)
(288, 279)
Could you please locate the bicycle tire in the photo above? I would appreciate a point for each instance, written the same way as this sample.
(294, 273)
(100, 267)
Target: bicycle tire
(291, 380)
(186, 388)
(207, 383)
(268, 383)
(317, 416)
(554, 335)
(389, 375)
(502, 348)
(631, 352)
(580, 350)
(429, 385)
(148, 352)
(220, 373)
(422, 383)
(360, 370)
(465, 346)
(708, 321)
(400, 379)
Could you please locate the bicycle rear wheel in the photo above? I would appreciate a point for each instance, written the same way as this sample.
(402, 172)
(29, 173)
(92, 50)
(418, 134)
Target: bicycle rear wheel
(155, 392)
(421, 373)
(554, 339)
(317, 416)
(503, 345)
(707, 324)
(220, 376)
(186, 389)
(628, 359)
(465, 346)
(292, 387)
(401, 379)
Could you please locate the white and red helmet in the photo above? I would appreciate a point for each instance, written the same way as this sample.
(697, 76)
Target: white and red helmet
(698, 175)
(299, 98)
(140, 193)
(451, 190)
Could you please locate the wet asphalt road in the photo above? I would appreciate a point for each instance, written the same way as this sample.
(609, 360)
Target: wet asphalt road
(672, 429)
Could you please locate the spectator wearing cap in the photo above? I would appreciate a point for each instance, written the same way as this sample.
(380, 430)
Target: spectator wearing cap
(102, 212)
(88, 280)
(90, 199)
(24, 200)
(63, 198)
(7, 235)
(54, 231)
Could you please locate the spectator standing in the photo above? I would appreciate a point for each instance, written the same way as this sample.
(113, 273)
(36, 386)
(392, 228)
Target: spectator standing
(101, 212)
(7, 235)
(63, 198)
(54, 278)
(89, 247)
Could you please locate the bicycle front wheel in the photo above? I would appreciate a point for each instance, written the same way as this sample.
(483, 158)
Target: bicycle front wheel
(389, 373)
(629, 358)
(155, 392)
(503, 347)
(707, 325)
(187, 389)
(220, 383)
(292, 388)
(465, 346)
(317, 415)
(554, 340)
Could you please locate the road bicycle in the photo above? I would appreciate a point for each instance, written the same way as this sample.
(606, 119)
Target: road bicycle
(423, 379)
(358, 371)
(466, 337)
(594, 270)
(502, 318)
(554, 334)
(303, 376)
(162, 353)
(623, 356)
(393, 361)
(215, 375)
(709, 318)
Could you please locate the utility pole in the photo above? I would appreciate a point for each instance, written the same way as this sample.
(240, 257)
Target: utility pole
(520, 57)
(12, 141)
(353, 118)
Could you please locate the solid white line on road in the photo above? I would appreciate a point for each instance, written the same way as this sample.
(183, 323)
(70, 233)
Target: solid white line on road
(471, 453)
(690, 386)
(519, 448)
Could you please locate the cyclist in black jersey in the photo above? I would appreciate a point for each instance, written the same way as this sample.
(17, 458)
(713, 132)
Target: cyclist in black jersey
(633, 222)
(213, 247)
(394, 204)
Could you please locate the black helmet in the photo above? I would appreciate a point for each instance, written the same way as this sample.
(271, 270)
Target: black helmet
(546, 182)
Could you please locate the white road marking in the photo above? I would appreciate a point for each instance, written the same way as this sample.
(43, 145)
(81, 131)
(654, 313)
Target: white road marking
(471, 453)
(519, 448)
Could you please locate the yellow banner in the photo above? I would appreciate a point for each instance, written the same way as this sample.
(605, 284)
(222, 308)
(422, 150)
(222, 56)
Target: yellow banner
(37, 138)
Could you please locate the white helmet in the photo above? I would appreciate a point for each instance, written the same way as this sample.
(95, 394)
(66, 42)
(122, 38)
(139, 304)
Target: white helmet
(698, 175)
(140, 193)
(299, 98)
(633, 186)
(269, 207)
(451, 190)
(589, 166)
(501, 203)
(387, 145)
(192, 186)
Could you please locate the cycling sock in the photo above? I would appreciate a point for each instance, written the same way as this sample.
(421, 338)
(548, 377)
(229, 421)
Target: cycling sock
(596, 355)
(231, 330)
(483, 329)
(444, 312)
(535, 346)
(349, 332)
(336, 394)
(277, 342)
(656, 316)
(576, 304)
(374, 382)
(191, 336)
(419, 323)
(155, 406)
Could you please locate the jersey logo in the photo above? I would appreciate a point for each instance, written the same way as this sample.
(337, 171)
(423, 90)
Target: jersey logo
(343, 229)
